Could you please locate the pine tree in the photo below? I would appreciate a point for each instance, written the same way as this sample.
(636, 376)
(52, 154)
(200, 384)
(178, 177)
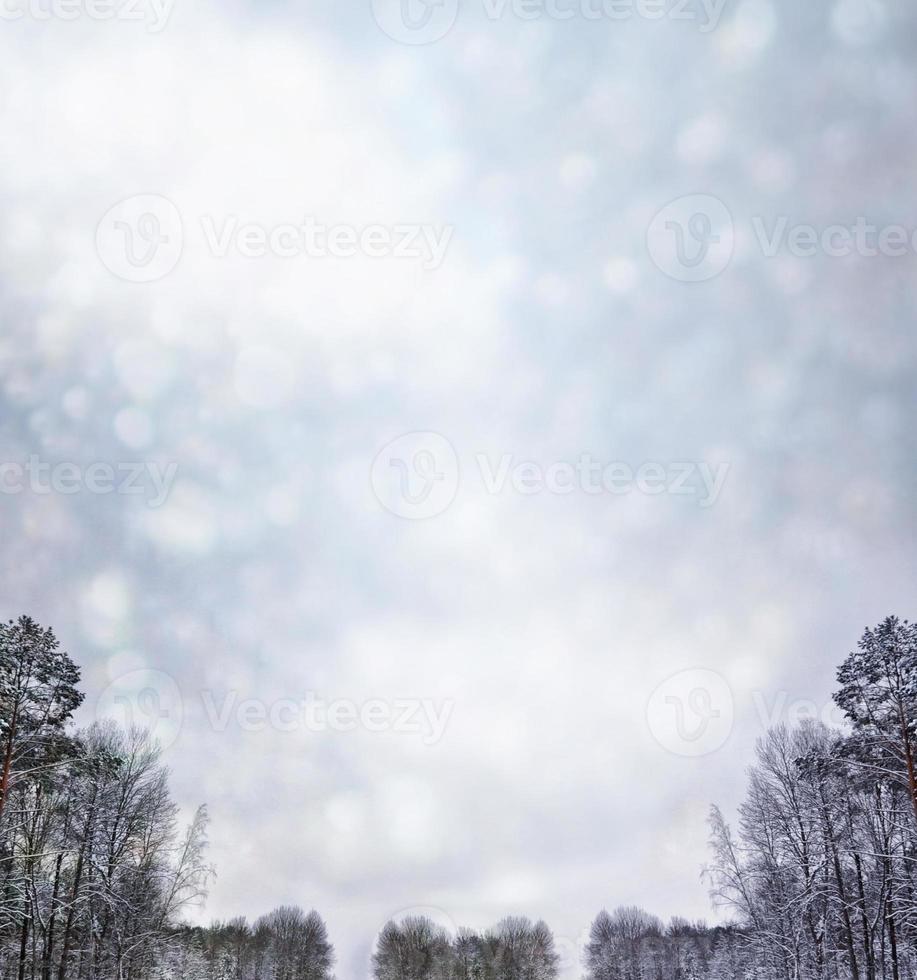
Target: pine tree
(38, 695)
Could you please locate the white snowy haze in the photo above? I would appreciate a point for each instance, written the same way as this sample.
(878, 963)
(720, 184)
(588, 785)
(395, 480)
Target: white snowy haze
(499, 742)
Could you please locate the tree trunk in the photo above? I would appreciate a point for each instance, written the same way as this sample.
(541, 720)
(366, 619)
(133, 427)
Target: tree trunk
(908, 758)
(839, 880)
(8, 761)
(24, 941)
(52, 921)
(893, 939)
(864, 922)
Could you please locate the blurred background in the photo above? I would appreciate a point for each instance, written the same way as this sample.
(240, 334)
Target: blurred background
(268, 386)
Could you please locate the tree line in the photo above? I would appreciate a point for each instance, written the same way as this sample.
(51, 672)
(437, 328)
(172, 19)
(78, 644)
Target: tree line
(628, 944)
(95, 871)
(818, 875)
(821, 869)
(286, 944)
(417, 949)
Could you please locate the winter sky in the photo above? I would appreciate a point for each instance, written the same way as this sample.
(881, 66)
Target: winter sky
(540, 687)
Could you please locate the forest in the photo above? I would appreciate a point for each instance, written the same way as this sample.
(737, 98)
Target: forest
(816, 878)
(95, 870)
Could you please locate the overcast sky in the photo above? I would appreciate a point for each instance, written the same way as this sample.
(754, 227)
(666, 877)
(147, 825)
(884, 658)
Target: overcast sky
(587, 663)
